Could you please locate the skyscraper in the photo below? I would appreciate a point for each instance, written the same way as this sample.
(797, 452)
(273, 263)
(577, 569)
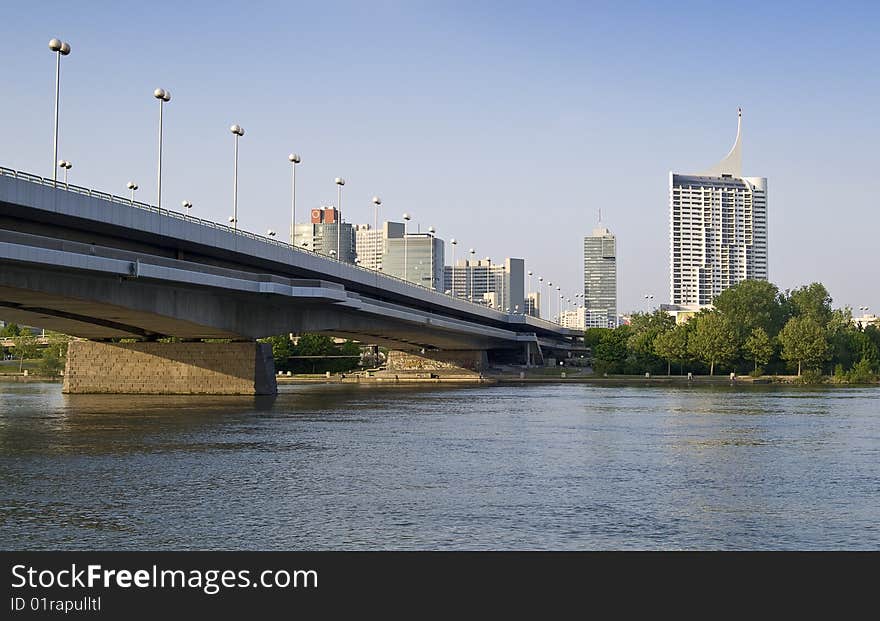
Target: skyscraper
(717, 230)
(600, 279)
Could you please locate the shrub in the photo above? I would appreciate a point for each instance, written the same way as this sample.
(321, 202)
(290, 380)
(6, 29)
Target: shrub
(811, 377)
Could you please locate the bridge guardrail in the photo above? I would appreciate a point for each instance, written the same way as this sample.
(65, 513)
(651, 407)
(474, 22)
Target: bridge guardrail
(128, 202)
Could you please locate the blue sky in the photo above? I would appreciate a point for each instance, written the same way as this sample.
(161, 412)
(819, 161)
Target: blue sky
(504, 125)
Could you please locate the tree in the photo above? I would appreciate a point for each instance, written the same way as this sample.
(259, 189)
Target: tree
(609, 355)
(10, 330)
(713, 340)
(751, 304)
(803, 341)
(759, 346)
(25, 347)
(672, 345)
(282, 350)
(811, 301)
(644, 328)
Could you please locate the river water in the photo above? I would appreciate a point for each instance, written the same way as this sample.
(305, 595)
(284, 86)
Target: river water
(486, 467)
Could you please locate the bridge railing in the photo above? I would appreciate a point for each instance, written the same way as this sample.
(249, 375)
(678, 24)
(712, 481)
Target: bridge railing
(129, 202)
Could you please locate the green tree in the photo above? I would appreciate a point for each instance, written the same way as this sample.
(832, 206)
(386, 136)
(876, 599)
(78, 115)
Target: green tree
(672, 346)
(610, 354)
(811, 301)
(759, 346)
(51, 362)
(10, 330)
(752, 304)
(644, 328)
(861, 373)
(282, 350)
(25, 348)
(713, 340)
(803, 341)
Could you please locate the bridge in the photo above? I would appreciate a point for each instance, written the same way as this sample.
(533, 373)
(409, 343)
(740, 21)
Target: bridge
(125, 275)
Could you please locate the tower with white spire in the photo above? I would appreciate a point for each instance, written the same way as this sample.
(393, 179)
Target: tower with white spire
(717, 229)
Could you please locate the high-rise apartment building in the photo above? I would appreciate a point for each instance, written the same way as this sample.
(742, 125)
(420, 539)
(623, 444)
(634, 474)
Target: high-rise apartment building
(717, 230)
(600, 279)
(325, 234)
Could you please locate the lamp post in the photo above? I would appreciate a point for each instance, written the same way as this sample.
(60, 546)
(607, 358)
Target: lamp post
(490, 277)
(164, 97)
(238, 132)
(558, 306)
(454, 244)
(132, 186)
(471, 274)
(540, 282)
(503, 278)
(405, 221)
(187, 206)
(294, 159)
(61, 48)
(376, 201)
(339, 181)
(66, 166)
(431, 231)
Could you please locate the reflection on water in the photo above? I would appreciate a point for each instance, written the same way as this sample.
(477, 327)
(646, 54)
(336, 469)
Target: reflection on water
(381, 467)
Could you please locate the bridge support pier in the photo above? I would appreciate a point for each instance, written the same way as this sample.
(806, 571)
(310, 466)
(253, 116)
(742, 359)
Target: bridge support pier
(465, 361)
(170, 368)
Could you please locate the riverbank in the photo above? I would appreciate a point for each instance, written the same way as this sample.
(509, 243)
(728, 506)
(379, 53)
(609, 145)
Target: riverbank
(21, 378)
(553, 376)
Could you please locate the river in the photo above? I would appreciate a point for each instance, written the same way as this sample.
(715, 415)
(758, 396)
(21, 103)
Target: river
(329, 466)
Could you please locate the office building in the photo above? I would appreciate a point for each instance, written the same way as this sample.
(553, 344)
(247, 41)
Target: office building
(416, 257)
(497, 285)
(600, 279)
(325, 233)
(717, 230)
(576, 319)
(533, 304)
(370, 243)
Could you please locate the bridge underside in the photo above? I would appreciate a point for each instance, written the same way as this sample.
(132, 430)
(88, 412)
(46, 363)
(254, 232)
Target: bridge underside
(106, 294)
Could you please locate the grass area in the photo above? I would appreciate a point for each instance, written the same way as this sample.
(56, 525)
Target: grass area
(11, 366)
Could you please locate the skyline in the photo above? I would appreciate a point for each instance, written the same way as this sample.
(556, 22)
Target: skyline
(442, 147)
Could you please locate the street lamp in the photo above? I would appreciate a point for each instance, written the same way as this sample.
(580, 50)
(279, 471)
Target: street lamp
(66, 166)
(339, 181)
(431, 231)
(376, 201)
(471, 274)
(61, 48)
(405, 221)
(294, 159)
(454, 244)
(132, 186)
(187, 206)
(164, 97)
(238, 132)
(559, 305)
